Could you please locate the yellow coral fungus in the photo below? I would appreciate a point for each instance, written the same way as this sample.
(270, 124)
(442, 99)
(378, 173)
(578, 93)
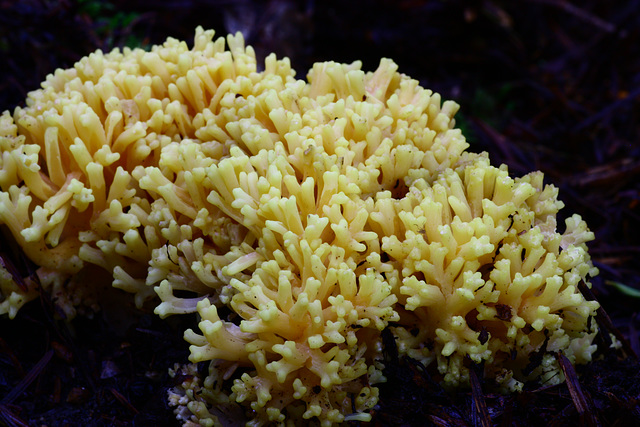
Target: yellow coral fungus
(300, 218)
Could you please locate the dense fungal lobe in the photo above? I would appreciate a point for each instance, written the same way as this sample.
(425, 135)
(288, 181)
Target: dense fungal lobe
(299, 219)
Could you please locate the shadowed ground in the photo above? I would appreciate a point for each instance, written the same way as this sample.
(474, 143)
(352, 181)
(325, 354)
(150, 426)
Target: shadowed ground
(548, 85)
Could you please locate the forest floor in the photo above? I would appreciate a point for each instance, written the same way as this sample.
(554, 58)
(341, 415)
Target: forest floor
(550, 85)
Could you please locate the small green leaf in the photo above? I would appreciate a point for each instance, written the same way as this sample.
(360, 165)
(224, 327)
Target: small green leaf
(625, 289)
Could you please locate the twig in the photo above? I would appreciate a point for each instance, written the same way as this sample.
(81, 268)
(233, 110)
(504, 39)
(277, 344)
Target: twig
(8, 418)
(28, 379)
(123, 401)
(580, 400)
(8, 265)
(479, 412)
(580, 14)
(605, 323)
(607, 110)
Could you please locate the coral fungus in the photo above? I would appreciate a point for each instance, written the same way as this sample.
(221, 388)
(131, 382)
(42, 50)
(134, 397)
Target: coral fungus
(298, 219)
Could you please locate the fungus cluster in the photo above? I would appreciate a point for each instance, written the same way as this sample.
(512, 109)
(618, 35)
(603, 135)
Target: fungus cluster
(298, 219)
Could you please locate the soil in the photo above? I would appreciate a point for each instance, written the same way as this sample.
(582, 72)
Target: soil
(550, 85)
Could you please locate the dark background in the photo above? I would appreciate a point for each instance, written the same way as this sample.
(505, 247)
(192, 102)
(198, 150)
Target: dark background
(549, 85)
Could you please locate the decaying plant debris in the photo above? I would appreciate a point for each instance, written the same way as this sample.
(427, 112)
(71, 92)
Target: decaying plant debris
(545, 85)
